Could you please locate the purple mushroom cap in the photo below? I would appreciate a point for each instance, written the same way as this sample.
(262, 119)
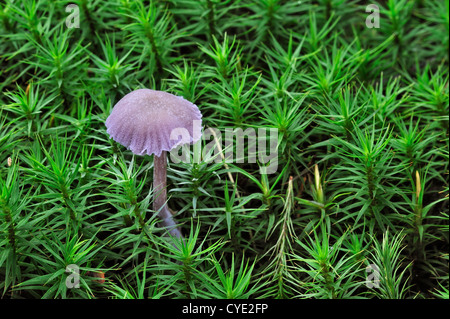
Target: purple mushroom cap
(144, 119)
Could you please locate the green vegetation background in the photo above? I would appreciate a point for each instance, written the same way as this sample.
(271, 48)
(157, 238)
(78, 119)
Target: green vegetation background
(362, 119)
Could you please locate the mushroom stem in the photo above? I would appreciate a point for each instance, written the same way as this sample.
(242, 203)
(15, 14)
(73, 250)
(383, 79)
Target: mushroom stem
(160, 194)
(159, 182)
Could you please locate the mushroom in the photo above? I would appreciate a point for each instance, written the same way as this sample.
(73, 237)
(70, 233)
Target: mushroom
(144, 121)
